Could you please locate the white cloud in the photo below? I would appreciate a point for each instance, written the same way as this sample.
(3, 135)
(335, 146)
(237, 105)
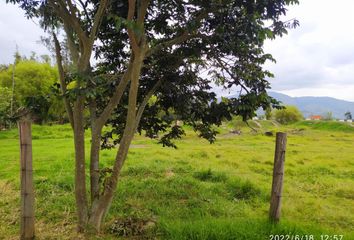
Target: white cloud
(16, 29)
(317, 58)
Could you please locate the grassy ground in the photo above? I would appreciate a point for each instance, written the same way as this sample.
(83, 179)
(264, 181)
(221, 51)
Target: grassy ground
(199, 191)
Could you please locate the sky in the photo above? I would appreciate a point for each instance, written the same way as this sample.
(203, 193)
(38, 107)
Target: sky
(315, 59)
(16, 29)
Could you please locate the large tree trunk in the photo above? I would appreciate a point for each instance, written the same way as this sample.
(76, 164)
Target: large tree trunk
(80, 178)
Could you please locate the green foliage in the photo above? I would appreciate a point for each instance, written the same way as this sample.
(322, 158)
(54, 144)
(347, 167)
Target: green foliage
(268, 113)
(32, 79)
(328, 116)
(217, 29)
(348, 115)
(39, 107)
(289, 114)
(33, 86)
(176, 132)
(5, 102)
(5, 99)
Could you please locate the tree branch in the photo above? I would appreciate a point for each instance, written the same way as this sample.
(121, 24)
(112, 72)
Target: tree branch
(131, 34)
(142, 11)
(72, 8)
(70, 20)
(169, 43)
(186, 35)
(62, 80)
(115, 99)
(88, 44)
(227, 69)
(145, 101)
(98, 19)
(84, 7)
(72, 45)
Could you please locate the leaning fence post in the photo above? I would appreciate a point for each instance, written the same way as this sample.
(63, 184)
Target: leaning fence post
(278, 177)
(27, 192)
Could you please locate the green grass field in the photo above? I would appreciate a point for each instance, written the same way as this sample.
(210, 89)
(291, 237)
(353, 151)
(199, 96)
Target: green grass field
(199, 191)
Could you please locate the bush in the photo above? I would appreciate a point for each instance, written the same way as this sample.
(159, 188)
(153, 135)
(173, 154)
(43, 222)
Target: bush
(5, 102)
(289, 114)
(33, 89)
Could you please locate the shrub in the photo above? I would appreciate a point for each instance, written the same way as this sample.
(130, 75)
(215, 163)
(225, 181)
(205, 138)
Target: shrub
(289, 114)
(5, 101)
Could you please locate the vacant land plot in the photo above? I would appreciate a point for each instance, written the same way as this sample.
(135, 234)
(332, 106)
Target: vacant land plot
(199, 191)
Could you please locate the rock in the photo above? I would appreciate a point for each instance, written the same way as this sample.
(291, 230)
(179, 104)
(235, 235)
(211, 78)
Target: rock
(237, 132)
(269, 134)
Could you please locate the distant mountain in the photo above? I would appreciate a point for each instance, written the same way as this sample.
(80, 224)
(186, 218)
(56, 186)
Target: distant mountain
(316, 105)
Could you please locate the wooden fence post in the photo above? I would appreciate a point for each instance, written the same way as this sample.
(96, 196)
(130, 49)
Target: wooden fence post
(278, 177)
(27, 192)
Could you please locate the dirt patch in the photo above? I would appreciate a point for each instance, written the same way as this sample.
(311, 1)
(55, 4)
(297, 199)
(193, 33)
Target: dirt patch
(132, 227)
(9, 200)
(169, 173)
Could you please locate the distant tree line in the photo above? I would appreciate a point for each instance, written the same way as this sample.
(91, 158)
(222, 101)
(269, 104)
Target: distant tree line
(291, 114)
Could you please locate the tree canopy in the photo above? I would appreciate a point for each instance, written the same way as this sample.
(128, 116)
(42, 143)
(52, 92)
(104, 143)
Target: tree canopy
(192, 45)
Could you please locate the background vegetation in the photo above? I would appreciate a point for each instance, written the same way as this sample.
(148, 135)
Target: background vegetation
(34, 89)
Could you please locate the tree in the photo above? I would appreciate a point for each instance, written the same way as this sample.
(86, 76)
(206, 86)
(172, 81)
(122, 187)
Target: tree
(268, 113)
(154, 48)
(5, 100)
(289, 114)
(348, 115)
(328, 116)
(33, 83)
